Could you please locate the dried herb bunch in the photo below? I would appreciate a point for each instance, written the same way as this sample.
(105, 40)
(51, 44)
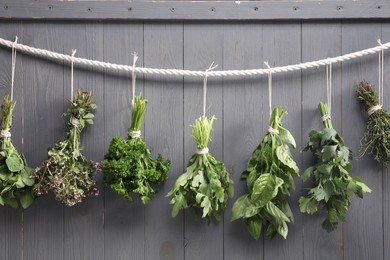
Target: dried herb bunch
(66, 171)
(206, 184)
(334, 188)
(15, 182)
(128, 166)
(376, 139)
(269, 176)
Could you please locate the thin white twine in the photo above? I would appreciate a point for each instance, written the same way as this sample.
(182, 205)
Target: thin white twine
(71, 75)
(13, 64)
(373, 109)
(325, 117)
(328, 90)
(272, 131)
(5, 133)
(133, 77)
(380, 76)
(176, 72)
(202, 151)
(269, 87)
(135, 134)
(212, 66)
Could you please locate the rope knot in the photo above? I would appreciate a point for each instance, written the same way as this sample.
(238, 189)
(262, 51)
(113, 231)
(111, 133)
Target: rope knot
(5, 134)
(373, 109)
(135, 134)
(273, 131)
(202, 151)
(75, 122)
(325, 117)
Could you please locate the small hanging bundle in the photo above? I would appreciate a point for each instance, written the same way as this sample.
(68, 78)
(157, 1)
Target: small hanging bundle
(206, 184)
(376, 139)
(15, 182)
(128, 166)
(67, 172)
(269, 176)
(334, 188)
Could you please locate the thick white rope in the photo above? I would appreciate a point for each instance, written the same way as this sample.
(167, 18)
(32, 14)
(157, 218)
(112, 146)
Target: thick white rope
(13, 65)
(133, 77)
(202, 151)
(176, 72)
(205, 86)
(5, 134)
(135, 134)
(71, 76)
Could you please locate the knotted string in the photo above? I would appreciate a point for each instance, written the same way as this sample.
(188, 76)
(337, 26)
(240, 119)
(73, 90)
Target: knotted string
(13, 64)
(328, 90)
(269, 87)
(71, 75)
(133, 77)
(212, 66)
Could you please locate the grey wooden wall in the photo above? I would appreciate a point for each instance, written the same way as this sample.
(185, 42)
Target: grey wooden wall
(107, 227)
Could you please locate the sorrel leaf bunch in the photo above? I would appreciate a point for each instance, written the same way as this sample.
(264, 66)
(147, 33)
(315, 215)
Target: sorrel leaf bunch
(376, 139)
(15, 182)
(333, 186)
(205, 184)
(66, 171)
(128, 166)
(269, 176)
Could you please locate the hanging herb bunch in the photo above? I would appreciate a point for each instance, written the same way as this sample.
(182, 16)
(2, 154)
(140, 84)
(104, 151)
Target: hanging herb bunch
(15, 182)
(128, 166)
(334, 187)
(376, 139)
(206, 184)
(269, 176)
(67, 172)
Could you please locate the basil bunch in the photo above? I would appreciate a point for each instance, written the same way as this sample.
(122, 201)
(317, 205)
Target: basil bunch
(128, 166)
(206, 184)
(67, 172)
(269, 176)
(333, 187)
(15, 183)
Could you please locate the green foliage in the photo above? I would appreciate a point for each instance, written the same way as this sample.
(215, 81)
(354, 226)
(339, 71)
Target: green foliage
(205, 184)
(269, 177)
(15, 183)
(128, 166)
(376, 139)
(66, 171)
(333, 185)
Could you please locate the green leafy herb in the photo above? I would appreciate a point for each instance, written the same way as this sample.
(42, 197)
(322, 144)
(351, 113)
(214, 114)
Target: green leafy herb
(67, 172)
(206, 184)
(15, 182)
(334, 187)
(376, 140)
(128, 166)
(269, 177)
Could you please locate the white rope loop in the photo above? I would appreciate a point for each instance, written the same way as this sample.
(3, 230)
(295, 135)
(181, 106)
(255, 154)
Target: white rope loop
(212, 66)
(329, 87)
(380, 74)
(133, 76)
(135, 134)
(269, 87)
(273, 131)
(71, 75)
(13, 65)
(5, 134)
(373, 109)
(202, 151)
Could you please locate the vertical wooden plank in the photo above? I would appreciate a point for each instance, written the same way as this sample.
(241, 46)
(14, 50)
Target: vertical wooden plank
(203, 44)
(44, 126)
(244, 117)
(85, 220)
(282, 45)
(319, 40)
(164, 134)
(363, 231)
(124, 221)
(11, 226)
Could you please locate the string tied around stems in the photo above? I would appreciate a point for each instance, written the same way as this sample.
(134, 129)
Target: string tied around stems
(71, 75)
(5, 134)
(135, 134)
(202, 151)
(212, 66)
(13, 64)
(328, 90)
(133, 77)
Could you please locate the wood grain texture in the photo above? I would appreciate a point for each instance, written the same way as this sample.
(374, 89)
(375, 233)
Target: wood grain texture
(244, 116)
(44, 126)
(164, 115)
(282, 45)
(319, 41)
(11, 239)
(363, 231)
(203, 44)
(88, 215)
(124, 221)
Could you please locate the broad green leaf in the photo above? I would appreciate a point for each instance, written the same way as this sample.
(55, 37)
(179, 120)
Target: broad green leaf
(286, 136)
(26, 199)
(89, 116)
(284, 157)
(206, 205)
(12, 202)
(6, 189)
(309, 206)
(180, 202)
(263, 190)
(19, 182)
(27, 179)
(329, 153)
(239, 207)
(307, 173)
(1, 201)
(283, 230)
(321, 194)
(14, 162)
(274, 211)
(254, 226)
(198, 179)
